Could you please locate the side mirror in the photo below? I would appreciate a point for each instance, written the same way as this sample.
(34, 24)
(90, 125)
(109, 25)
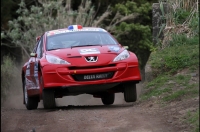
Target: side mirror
(126, 47)
(33, 55)
(38, 38)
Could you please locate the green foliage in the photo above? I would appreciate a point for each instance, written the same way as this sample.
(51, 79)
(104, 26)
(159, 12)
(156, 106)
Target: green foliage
(143, 33)
(193, 118)
(7, 74)
(194, 25)
(156, 87)
(155, 92)
(34, 21)
(135, 30)
(163, 85)
(158, 81)
(180, 16)
(175, 95)
(131, 23)
(180, 55)
(182, 39)
(182, 79)
(190, 90)
(176, 62)
(127, 8)
(7, 7)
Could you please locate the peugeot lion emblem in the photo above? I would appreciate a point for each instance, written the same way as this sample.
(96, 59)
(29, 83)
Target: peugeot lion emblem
(91, 58)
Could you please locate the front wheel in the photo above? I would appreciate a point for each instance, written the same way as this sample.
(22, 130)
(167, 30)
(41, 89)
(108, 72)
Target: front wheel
(30, 102)
(108, 98)
(48, 99)
(130, 92)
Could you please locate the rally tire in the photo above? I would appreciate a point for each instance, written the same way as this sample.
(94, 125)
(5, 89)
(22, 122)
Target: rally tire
(48, 99)
(108, 98)
(130, 92)
(31, 103)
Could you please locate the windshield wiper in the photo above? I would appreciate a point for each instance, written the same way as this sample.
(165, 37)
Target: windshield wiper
(54, 49)
(86, 45)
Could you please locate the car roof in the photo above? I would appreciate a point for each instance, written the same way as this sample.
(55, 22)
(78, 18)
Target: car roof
(65, 30)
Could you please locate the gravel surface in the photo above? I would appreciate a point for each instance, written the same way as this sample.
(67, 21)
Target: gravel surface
(84, 113)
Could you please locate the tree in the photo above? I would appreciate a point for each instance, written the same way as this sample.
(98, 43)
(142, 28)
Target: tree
(131, 23)
(38, 19)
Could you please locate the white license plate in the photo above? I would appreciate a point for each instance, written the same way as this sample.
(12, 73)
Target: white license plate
(95, 76)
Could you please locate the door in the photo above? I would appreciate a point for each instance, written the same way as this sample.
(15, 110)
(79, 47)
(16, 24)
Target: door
(34, 74)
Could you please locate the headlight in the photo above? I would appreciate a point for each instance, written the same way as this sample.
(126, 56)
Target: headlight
(55, 60)
(123, 55)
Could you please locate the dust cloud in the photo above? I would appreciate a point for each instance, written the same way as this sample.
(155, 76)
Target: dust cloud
(14, 97)
(86, 99)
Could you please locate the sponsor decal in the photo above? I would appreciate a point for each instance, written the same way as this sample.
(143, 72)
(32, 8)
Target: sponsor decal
(28, 70)
(114, 48)
(97, 76)
(31, 85)
(89, 51)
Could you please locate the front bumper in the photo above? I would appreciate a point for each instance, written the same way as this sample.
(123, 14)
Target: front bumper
(62, 75)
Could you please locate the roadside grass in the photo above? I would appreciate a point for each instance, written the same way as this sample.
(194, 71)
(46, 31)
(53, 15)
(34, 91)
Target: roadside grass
(182, 39)
(182, 53)
(193, 119)
(172, 70)
(153, 88)
(159, 81)
(184, 93)
(173, 67)
(192, 68)
(174, 58)
(171, 87)
(155, 92)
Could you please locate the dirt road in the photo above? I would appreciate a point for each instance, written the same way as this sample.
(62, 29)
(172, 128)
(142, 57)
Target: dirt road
(83, 114)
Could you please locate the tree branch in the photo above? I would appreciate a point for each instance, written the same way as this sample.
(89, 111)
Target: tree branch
(106, 14)
(125, 18)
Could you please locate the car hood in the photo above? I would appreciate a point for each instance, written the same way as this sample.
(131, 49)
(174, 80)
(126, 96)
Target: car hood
(77, 55)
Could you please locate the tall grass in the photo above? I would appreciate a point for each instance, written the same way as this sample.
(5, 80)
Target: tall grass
(182, 17)
(193, 118)
(182, 8)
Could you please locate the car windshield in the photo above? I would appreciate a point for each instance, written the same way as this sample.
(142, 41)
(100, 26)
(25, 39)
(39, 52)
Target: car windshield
(79, 39)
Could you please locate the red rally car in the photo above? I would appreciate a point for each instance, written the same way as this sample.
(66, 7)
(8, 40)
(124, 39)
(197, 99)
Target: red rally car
(79, 60)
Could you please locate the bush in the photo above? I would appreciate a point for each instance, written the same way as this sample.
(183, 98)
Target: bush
(182, 39)
(7, 74)
(181, 15)
(194, 24)
(176, 57)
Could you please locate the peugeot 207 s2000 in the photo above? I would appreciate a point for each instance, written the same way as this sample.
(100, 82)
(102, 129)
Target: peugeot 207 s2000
(79, 60)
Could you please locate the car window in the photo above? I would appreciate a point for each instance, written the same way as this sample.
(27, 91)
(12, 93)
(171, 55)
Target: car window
(67, 40)
(39, 50)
